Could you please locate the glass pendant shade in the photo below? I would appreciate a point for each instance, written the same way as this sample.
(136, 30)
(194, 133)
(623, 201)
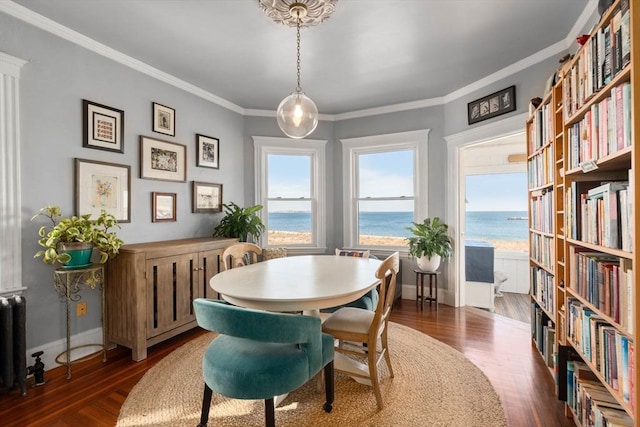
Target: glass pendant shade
(297, 115)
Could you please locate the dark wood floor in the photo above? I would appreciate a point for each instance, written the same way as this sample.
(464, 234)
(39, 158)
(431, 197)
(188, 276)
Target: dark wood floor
(499, 346)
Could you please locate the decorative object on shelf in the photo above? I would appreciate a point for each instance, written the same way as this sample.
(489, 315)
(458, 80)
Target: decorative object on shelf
(582, 39)
(496, 104)
(162, 160)
(207, 197)
(164, 119)
(297, 114)
(103, 127)
(603, 5)
(163, 207)
(103, 186)
(65, 231)
(207, 152)
(240, 223)
(430, 243)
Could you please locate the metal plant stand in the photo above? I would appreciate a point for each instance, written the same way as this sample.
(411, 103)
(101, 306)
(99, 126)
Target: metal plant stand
(68, 283)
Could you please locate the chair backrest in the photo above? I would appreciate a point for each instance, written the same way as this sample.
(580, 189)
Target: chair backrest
(387, 274)
(240, 254)
(263, 326)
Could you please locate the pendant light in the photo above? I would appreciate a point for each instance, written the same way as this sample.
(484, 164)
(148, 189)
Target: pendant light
(297, 114)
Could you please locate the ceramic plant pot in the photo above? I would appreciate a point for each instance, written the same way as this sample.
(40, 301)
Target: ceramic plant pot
(429, 264)
(80, 253)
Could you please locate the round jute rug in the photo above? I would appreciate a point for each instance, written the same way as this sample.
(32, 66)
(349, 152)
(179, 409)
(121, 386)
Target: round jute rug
(434, 385)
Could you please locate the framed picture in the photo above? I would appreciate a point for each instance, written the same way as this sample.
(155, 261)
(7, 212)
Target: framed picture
(102, 127)
(497, 103)
(163, 160)
(164, 119)
(163, 207)
(208, 152)
(101, 185)
(207, 197)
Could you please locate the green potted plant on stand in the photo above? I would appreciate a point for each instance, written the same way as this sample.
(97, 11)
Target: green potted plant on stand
(70, 241)
(429, 243)
(240, 223)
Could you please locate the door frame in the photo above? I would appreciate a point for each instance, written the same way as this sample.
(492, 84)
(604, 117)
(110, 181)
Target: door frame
(454, 187)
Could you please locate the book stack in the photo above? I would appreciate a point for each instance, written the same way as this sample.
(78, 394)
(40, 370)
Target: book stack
(541, 217)
(600, 213)
(604, 130)
(603, 348)
(605, 54)
(542, 288)
(601, 222)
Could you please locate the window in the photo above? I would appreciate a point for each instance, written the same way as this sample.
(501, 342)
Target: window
(290, 185)
(385, 188)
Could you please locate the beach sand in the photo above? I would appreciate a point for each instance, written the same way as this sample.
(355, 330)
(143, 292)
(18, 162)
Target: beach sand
(282, 238)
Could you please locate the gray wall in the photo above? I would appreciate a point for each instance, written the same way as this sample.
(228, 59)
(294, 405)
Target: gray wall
(53, 83)
(60, 74)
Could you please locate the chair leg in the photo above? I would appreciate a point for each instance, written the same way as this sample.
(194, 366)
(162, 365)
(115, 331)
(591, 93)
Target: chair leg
(385, 348)
(206, 404)
(373, 374)
(269, 413)
(329, 386)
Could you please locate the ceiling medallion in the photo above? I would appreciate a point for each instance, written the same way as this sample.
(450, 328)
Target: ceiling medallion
(311, 12)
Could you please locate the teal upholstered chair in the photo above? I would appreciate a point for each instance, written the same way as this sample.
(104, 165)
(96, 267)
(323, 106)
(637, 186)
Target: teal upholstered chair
(368, 301)
(260, 355)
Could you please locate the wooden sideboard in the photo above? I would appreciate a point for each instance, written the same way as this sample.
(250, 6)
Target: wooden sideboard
(150, 288)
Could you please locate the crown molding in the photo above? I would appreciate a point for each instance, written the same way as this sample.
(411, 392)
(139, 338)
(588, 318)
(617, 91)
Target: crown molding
(20, 12)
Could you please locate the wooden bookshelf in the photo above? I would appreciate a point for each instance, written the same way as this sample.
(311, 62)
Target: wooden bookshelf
(542, 171)
(594, 192)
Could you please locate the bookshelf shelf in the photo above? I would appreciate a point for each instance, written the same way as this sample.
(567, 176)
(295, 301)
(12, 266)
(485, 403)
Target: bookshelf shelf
(582, 143)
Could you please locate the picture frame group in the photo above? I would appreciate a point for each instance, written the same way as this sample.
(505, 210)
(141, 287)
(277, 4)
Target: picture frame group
(496, 104)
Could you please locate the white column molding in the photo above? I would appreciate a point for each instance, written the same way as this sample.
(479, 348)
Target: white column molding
(10, 187)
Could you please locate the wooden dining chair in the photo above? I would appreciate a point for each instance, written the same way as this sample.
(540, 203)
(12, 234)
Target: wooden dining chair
(240, 254)
(360, 328)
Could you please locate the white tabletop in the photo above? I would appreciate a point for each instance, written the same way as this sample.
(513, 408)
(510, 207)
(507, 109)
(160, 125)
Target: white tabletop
(296, 283)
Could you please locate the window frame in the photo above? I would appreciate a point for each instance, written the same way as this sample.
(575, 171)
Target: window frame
(316, 149)
(352, 147)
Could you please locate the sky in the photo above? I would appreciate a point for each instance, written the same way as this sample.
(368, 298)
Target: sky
(497, 192)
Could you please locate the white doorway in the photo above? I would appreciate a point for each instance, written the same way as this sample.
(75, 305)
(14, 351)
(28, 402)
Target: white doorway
(494, 223)
(456, 206)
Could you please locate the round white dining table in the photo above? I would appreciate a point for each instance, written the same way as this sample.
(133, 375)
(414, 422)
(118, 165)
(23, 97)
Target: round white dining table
(297, 283)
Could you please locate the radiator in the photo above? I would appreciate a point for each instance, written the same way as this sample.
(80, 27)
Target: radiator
(13, 344)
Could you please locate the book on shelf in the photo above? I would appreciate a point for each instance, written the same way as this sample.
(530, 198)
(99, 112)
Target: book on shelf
(625, 33)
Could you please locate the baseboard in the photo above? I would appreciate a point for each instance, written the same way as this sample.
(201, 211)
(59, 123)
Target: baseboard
(53, 349)
(444, 295)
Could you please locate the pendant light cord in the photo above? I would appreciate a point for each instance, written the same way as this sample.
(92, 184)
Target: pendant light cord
(298, 88)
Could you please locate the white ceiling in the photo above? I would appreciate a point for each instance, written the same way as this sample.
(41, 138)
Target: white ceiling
(370, 53)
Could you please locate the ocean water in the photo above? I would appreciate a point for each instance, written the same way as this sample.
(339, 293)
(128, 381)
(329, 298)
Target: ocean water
(479, 225)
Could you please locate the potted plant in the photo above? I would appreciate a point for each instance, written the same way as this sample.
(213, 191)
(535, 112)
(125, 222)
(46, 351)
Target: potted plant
(70, 241)
(240, 223)
(430, 243)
